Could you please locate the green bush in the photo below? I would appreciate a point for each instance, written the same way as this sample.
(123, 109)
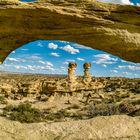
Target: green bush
(102, 110)
(23, 113)
(110, 109)
(3, 100)
(135, 113)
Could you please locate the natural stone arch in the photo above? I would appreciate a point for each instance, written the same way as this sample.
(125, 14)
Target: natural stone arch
(111, 28)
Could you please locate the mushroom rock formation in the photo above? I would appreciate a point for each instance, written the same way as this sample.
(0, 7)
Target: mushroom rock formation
(111, 28)
(87, 76)
(71, 75)
(71, 71)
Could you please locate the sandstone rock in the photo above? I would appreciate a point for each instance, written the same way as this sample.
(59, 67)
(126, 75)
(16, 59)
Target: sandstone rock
(111, 28)
(87, 76)
(100, 128)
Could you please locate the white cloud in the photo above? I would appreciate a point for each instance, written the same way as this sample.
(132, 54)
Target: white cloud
(55, 54)
(116, 1)
(50, 68)
(13, 52)
(127, 73)
(114, 71)
(82, 47)
(39, 44)
(104, 59)
(42, 62)
(45, 63)
(24, 49)
(63, 68)
(34, 57)
(52, 46)
(68, 61)
(130, 67)
(70, 49)
(104, 65)
(49, 63)
(11, 59)
(18, 67)
(64, 41)
(80, 59)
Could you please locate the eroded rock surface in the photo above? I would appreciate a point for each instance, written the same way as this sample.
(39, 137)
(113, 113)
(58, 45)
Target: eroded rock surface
(100, 128)
(111, 28)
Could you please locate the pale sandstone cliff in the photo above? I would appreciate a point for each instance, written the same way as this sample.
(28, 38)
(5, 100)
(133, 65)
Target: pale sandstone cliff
(107, 27)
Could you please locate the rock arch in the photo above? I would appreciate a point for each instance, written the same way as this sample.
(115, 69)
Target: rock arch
(111, 28)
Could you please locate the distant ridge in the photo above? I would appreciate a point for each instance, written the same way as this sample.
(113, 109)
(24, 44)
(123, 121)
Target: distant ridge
(18, 73)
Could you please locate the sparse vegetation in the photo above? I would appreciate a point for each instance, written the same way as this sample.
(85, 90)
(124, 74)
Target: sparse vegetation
(23, 113)
(110, 109)
(118, 96)
(3, 100)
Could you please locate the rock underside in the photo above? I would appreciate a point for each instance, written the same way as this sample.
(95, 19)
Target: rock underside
(111, 28)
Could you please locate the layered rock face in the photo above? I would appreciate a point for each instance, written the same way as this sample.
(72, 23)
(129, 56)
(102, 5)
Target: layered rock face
(111, 28)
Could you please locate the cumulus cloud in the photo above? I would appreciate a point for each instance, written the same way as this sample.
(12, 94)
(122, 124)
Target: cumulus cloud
(63, 68)
(28, 68)
(24, 49)
(104, 65)
(117, 1)
(127, 73)
(49, 68)
(41, 62)
(13, 52)
(68, 61)
(80, 59)
(49, 63)
(39, 44)
(52, 46)
(104, 59)
(70, 49)
(34, 57)
(12, 59)
(114, 71)
(45, 63)
(82, 47)
(54, 54)
(20, 67)
(129, 67)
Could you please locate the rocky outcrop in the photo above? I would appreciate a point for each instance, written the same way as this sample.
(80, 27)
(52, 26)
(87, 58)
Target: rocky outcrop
(99, 128)
(111, 28)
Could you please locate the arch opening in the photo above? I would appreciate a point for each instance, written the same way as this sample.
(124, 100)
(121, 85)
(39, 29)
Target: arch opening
(53, 56)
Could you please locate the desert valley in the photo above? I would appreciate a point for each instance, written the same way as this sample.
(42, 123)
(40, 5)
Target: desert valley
(35, 99)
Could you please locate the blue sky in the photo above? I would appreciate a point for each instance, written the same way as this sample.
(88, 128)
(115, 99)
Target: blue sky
(109, 1)
(130, 2)
(52, 57)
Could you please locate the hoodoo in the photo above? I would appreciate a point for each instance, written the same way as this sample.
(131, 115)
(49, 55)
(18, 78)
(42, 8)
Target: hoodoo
(87, 76)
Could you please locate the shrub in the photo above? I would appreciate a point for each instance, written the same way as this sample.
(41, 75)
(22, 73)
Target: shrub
(23, 113)
(135, 113)
(110, 109)
(74, 106)
(126, 107)
(3, 100)
(102, 110)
